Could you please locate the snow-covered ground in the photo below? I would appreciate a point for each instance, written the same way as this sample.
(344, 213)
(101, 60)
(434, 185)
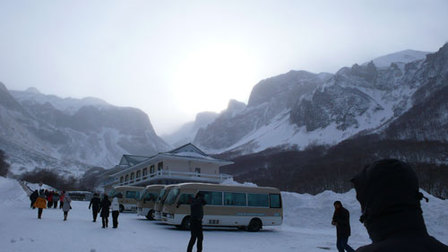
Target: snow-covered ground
(306, 227)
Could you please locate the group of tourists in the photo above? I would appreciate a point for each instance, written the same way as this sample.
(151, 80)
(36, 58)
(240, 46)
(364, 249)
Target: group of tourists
(43, 198)
(103, 207)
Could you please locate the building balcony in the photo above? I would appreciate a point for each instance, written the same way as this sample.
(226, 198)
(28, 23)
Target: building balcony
(170, 175)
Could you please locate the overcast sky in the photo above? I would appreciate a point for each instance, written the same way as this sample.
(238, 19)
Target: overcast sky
(173, 59)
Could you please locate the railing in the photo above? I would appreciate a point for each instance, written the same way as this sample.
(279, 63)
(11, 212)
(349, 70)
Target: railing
(187, 176)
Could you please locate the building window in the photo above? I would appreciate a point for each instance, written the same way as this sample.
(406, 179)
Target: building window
(137, 175)
(126, 179)
(197, 170)
(151, 169)
(121, 179)
(145, 172)
(160, 166)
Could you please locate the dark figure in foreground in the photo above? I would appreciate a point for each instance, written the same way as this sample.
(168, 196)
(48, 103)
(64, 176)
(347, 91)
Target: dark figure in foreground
(95, 205)
(115, 207)
(388, 191)
(341, 219)
(104, 207)
(197, 213)
(33, 198)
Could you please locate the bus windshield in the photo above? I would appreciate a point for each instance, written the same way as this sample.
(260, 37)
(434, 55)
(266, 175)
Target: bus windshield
(162, 193)
(172, 195)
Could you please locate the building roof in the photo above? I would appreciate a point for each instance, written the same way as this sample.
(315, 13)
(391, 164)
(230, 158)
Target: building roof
(185, 152)
(131, 160)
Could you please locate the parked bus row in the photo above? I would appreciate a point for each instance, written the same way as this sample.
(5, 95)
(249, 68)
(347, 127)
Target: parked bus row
(244, 207)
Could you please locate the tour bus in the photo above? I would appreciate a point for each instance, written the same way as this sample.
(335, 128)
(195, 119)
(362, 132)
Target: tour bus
(127, 197)
(160, 200)
(244, 207)
(145, 205)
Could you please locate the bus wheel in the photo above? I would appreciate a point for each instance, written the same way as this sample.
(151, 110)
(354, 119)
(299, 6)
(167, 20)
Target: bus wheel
(254, 225)
(150, 215)
(185, 223)
(121, 208)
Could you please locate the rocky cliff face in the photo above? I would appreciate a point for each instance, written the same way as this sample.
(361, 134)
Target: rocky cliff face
(71, 135)
(298, 109)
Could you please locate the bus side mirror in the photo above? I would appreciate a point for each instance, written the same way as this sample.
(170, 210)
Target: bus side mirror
(178, 204)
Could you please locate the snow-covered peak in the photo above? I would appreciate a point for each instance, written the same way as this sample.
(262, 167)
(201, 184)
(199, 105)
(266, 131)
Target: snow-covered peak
(405, 56)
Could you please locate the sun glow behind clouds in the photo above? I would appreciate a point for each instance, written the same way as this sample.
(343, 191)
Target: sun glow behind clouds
(207, 78)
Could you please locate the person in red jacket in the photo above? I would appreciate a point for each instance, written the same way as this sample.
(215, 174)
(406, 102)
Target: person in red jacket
(61, 200)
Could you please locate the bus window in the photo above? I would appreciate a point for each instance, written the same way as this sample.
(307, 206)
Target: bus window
(185, 199)
(258, 200)
(213, 198)
(275, 200)
(118, 195)
(132, 195)
(234, 199)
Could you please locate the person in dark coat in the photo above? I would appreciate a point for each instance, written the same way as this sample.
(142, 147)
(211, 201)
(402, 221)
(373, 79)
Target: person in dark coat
(33, 198)
(388, 191)
(196, 215)
(341, 219)
(50, 199)
(95, 205)
(104, 208)
(55, 199)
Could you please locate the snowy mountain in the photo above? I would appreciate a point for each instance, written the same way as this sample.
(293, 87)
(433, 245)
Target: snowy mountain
(299, 109)
(70, 135)
(402, 57)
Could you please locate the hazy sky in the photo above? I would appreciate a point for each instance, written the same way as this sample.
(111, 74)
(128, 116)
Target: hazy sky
(174, 59)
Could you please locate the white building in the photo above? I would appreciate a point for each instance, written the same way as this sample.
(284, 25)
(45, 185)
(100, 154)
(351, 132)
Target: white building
(184, 164)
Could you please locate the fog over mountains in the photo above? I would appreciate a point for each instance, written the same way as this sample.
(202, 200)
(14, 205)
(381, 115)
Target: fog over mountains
(398, 96)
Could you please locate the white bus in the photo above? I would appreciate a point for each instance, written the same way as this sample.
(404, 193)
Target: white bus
(245, 207)
(146, 203)
(158, 206)
(127, 197)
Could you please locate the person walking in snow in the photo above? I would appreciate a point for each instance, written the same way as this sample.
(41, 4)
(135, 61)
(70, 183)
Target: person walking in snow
(33, 198)
(115, 207)
(104, 208)
(95, 205)
(50, 199)
(55, 199)
(40, 203)
(67, 206)
(341, 219)
(388, 192)
(61, 200)
(196, 215)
